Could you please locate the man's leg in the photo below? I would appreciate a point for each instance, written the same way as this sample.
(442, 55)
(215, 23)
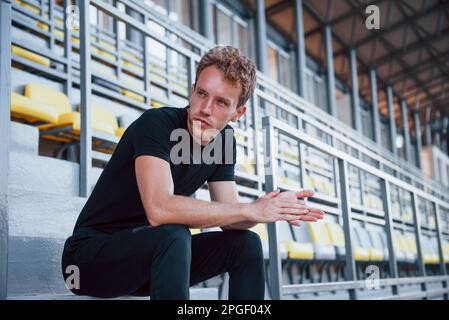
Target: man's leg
(120, 264)
(238, 252)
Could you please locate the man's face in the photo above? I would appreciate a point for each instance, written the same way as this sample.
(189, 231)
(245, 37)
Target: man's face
(214, 102)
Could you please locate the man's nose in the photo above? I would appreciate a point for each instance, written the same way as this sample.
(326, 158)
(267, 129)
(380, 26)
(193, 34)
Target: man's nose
(207, 107)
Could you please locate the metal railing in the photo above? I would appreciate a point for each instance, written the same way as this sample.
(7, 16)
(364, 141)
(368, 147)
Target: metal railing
(5, 102)
(278, 290)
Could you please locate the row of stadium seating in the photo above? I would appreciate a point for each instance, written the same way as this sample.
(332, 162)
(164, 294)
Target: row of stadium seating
(51, 111)
(324, 241)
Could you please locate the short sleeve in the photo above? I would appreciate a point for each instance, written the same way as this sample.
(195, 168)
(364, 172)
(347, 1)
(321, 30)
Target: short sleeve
(226, 171)
(151, 136)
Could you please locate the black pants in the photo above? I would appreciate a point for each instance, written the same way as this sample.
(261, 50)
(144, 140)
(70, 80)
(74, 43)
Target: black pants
(165, 261)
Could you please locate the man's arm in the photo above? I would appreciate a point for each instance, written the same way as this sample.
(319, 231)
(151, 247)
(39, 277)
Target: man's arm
(226, 192)
(163, 207)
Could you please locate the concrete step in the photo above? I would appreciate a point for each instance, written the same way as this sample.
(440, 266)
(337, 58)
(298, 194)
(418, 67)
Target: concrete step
(24, 138)
(44, 215)
(195, 294)
(39, 223)
(50, 175)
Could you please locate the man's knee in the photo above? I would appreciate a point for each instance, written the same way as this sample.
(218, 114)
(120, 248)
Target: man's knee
(248, 243)
(176, 238)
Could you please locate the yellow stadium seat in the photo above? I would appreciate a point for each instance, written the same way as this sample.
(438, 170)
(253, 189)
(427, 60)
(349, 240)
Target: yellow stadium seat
(289, 182)
(290, 155)
(411, 243)
(102, 120)
(42, 26)
(108, 45)
(156, 104)
(58, 33)
(30, 55)
(319, 233)
(131, 55)
(336, 234)
(30, 7)
(120, 131)
(361, 254)
(375, 254)
(321, 241)
(32, 111)
(43, 104)
(261, 230)
(302, 251)
(402, 248)
(53, 98)
(430, 252)
(132, 66)
(106, 54)
(133, 95)
(446, 251)
(194, 231)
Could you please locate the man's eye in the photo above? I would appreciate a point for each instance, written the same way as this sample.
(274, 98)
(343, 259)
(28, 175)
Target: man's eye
(200, 94)
(221, 103)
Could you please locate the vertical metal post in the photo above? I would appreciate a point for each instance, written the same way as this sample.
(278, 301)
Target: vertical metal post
(257, 131)
(444, 134)
(118, 50)
(427, 127)
(417, 123)
(443, 270)
(68, 50)
(270, 163)
(355, 91)
(146, 63)
(417, 219)
(437, 129)
(206, 27)
(347, 225)
(331, 94)
(191, 74)
(392, 120)
(404, 113)
(85, 107)
(300, 49)
(261, 37)
(5, 116)
(389, 230)
(375, 106)
(51, 17)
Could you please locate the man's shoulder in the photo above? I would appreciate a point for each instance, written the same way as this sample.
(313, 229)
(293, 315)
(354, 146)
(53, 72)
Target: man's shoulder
(171, 116)
(166, 111)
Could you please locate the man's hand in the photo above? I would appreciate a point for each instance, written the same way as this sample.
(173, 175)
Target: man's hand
(312, 215)
(285, 206)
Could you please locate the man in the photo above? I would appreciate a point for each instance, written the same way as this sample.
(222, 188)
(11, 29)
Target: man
(132, 236)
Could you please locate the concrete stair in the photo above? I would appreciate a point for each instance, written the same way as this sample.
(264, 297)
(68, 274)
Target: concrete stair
(29, 171)
(195, 294)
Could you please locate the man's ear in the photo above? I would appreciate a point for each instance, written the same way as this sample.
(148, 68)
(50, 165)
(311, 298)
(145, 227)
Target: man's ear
(239, 112)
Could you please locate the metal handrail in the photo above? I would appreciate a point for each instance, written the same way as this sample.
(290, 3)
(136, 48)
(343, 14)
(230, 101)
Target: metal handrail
(270, 125)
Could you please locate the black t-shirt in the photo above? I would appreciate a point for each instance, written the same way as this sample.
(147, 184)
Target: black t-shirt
(115, 202)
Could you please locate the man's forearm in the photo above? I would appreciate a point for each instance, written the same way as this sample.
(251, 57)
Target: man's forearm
(243, 225)
(194, 213)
